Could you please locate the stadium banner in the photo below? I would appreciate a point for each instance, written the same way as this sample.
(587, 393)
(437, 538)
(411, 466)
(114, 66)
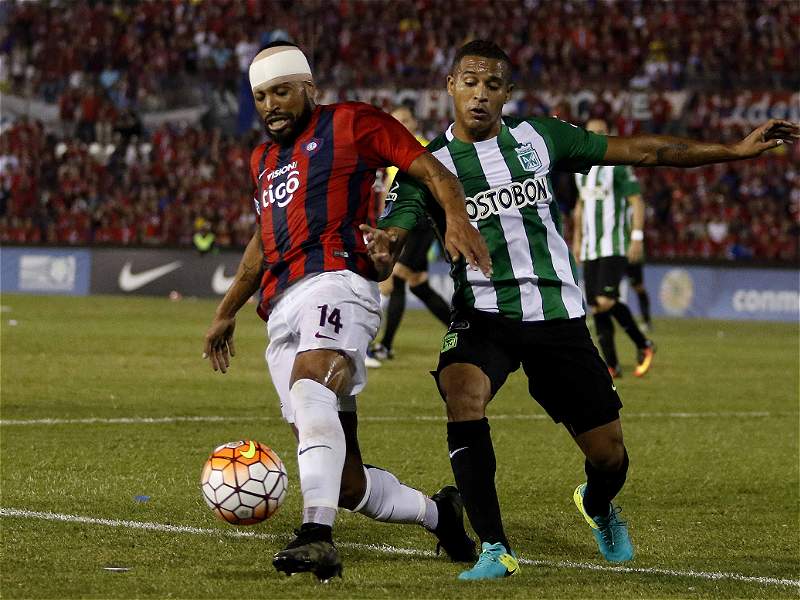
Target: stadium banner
(722, 292)
(155, 272)
(738, 293)
(45, 270)
(675, 290)
(754, 108)
(435, 103)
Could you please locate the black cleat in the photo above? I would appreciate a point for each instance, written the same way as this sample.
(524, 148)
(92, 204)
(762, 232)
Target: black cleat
(311, 551)
(452, 536)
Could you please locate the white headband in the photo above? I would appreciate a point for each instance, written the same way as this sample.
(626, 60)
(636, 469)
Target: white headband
(279, 65)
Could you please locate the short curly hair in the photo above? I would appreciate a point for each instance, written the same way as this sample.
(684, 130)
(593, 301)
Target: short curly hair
(484, 48)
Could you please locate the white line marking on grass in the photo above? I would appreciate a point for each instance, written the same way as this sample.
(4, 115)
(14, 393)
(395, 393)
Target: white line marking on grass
(714, 576)
(386, 548)
(520, 417)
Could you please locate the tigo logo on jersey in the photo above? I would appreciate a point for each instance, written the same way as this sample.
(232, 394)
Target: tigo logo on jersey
(281, 192)
(527, 157)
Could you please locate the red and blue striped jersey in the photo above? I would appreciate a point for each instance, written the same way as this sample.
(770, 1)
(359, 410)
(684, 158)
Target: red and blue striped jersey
(311, 195)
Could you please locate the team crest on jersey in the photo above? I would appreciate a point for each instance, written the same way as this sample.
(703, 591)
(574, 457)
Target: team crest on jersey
(312, 146)
(528, 158)
(449, 342)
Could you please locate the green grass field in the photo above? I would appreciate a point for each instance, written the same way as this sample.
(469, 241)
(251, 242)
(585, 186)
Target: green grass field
(712, 495)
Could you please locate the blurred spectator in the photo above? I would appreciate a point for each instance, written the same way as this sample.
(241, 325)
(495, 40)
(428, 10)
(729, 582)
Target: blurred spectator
(105, 179)
(203, 238)
(163, 53)
(62, 193)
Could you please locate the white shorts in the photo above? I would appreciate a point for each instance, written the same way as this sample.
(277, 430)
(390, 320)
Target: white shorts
(336, 310)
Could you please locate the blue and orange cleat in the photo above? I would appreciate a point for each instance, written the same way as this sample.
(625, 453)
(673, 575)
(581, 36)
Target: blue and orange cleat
(610, 532)
(495, 562)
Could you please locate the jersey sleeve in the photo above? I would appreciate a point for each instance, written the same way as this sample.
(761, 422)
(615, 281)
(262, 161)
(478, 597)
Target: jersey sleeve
(625, 180)
(382, 140)
(575, 149)
(406, 203)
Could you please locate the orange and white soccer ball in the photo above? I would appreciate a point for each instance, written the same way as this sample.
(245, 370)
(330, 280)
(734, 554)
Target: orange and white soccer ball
(244, 482)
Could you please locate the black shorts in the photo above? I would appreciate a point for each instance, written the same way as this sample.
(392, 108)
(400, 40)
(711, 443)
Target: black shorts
(566, 375)
(635, 273)
(415, 252)
(601, 277)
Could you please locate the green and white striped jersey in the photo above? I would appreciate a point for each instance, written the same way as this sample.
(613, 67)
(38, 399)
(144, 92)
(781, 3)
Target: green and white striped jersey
(605, 227)
(510, 200)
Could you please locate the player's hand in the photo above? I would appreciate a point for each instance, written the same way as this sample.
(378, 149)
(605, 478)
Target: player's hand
(219, 347)
(771, 134)
(462, 239)
(636, 252)
(379, 245)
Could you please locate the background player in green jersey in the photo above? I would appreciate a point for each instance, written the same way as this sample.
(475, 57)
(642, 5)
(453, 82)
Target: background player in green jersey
(411, 267)
(529, 311)
(604, 241)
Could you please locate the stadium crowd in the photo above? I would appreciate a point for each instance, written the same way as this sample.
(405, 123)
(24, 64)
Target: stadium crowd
(162, 191)
(162, 53)
(103, 178)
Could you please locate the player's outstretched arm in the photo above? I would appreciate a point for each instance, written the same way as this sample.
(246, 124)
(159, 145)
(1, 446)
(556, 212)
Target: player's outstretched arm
(219, 346)
(662, 150)
(461, 238)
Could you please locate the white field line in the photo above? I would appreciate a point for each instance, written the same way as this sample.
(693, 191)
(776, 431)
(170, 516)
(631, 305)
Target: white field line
(388, 549)
(235, 418)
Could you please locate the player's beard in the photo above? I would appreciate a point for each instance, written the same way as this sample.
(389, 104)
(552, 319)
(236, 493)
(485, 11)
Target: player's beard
(299, 123)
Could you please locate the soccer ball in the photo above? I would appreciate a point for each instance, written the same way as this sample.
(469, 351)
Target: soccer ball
(244, 482)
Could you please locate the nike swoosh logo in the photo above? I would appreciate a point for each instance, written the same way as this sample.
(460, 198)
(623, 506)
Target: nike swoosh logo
(250, 452)
(457, 450)
(613, 387)
(327, 337)
(129, 282)
(299, 452)
(220, 283)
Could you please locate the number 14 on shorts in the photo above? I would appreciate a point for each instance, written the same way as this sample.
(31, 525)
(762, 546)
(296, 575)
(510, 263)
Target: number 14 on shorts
(330, 317)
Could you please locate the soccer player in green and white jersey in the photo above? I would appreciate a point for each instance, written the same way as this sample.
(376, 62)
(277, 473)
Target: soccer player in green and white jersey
(530, 310)
(603, 240)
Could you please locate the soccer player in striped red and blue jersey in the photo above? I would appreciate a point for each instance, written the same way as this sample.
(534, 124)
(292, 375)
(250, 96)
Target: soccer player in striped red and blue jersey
(319, 296)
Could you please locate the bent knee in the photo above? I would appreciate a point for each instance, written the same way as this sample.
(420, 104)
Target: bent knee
(353, 488)
(603, 304)
(416, 278)
(609, 457)
(466, 390)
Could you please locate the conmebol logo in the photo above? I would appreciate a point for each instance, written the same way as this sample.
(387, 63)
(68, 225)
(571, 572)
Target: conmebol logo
(766, 301)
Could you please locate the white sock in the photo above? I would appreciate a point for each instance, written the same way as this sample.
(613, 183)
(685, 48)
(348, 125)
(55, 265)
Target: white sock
(386, 499)
(320, 449)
